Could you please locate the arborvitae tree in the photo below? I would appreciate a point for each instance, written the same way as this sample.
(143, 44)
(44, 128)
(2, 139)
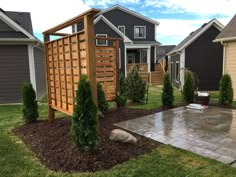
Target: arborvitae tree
(136, 87)
(30, 104)
(188, 89)
(84, 128)
(102, 102)
(226, 90)
(167, 95)
(122, 97)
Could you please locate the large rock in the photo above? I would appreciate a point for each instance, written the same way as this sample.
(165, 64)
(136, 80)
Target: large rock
(122, 136)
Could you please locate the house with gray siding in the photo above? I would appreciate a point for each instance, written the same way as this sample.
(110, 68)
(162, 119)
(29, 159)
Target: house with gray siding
(199, 54)
(138, 46)
(21, 56)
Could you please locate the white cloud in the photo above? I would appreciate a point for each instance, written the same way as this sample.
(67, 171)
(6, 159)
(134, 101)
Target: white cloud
(199, 7)
(172, 31)
(46, 13)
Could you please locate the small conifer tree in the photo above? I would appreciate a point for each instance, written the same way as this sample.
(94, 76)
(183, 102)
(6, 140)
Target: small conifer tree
(167, 96)
(226, 90)
(136, 87)
(188, 88)
(122, 97)
(84, 128)
(102, 102)
(30, 104)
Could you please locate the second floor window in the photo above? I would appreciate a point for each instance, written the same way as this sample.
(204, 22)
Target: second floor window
(122, 29)
(101, 42)
(140, 32)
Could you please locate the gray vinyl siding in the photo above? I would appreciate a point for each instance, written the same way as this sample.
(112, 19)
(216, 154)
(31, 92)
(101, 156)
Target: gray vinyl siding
(102, 28)
(121, 18)
(174, 58)
(205, 58)
(14, 69)
(7, 32)
(39, 71)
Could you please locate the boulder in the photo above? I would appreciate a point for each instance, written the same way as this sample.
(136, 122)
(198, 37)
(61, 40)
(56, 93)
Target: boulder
(122, 136)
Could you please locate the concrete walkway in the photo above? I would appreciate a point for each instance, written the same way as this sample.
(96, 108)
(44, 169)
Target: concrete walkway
(210, 133)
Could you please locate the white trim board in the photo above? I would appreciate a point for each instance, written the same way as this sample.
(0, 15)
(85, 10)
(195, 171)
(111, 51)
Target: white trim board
(129, 12)
(101, 17)
(32, 67)
(14, 25)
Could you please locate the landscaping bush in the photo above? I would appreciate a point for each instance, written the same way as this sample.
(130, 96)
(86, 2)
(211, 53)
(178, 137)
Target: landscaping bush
(122, 97)
(30, 104)
(167, 96)
(188, 88)
(226, 90)
(84, 128)
(102, 102)
(136, 87)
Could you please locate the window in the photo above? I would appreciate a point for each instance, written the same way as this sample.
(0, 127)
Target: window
(140, 32)
(177, 71)
(131, 58)
(143, 56)
(122, 29)
(101, 42)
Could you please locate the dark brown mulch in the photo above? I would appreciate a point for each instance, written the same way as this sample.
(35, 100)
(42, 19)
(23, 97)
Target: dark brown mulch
(52, 144)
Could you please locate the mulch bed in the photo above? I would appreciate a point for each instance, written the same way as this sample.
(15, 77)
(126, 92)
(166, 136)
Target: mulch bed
(52, 144)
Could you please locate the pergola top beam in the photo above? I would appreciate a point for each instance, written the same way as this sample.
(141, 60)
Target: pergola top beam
(71, 21)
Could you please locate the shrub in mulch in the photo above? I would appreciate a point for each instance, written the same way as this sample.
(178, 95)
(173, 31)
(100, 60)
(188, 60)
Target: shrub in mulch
(188, 88)
(102, 102)
(84, 129)
(122, 97)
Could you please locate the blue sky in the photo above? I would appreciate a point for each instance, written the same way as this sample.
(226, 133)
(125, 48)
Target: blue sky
(178, 18)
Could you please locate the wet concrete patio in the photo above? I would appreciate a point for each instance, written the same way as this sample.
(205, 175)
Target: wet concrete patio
(210, 132)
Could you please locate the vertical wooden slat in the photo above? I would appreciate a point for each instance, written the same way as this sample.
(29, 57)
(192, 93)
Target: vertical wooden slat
(64, 68)
(51, 112)
(90, 50)
(78, 53)
(117, 84)
(59, 72)
(54, 78)
(71, 74)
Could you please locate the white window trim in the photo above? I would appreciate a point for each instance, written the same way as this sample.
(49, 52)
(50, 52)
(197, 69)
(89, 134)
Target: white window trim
(123, 27)
(140, 37)
(133, 59)
(103, 35)
(177, 81)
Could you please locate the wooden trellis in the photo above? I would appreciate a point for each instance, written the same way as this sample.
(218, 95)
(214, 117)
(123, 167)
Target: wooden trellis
(71, 56)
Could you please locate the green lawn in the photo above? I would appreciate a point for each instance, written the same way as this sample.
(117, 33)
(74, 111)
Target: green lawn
(16, 160)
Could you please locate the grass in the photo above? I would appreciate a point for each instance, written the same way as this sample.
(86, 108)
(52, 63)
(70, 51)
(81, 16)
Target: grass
(154, 98)
(16, 160)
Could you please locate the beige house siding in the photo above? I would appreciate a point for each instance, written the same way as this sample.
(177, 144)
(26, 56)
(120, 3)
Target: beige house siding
(230, 63)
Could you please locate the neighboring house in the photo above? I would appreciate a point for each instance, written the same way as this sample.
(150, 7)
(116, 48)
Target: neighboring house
(21, 56)
(137, 31)
(198, 53)
(228, 39)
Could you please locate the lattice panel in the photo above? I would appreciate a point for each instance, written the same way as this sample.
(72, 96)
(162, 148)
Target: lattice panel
(106, 69)
(66, 61)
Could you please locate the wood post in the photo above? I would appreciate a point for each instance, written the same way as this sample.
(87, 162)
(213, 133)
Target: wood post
(51, 112)
(90, 53)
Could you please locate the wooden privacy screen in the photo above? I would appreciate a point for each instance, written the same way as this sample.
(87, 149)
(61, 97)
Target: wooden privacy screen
(74, 55)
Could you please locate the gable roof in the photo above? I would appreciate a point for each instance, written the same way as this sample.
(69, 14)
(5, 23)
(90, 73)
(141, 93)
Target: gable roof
(129, 12)
(229, 32)
(101, 17)
(195, 34)
(13, 24)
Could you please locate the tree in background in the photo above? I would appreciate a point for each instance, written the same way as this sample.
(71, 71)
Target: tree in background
(226, 90)
(122, 97)
(136, 87)
(102, 102)
(188, 88)
(167, 95)
(30, 104)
